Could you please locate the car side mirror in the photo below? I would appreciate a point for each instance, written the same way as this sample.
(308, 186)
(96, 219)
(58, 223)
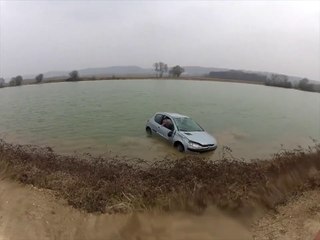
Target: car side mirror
(170, 134)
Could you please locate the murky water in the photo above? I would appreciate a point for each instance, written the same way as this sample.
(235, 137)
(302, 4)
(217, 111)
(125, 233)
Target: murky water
(103, 116)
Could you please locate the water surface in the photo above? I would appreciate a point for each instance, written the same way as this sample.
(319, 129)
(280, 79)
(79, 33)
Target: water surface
(102, 116)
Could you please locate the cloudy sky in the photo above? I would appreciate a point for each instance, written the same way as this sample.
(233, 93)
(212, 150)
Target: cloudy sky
(40, 36)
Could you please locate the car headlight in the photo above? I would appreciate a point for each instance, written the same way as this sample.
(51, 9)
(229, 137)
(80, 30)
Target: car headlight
(194, 145)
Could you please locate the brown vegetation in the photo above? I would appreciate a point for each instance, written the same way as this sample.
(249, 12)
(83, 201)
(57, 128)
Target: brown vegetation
(100, 184)
(282, 81)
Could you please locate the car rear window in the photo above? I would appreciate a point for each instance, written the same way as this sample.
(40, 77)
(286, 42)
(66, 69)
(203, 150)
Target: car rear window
(158, 118)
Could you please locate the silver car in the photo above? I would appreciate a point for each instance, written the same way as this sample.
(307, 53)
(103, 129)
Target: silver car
(184, 133)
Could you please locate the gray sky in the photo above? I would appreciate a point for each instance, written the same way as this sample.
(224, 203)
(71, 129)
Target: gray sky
(40, 36)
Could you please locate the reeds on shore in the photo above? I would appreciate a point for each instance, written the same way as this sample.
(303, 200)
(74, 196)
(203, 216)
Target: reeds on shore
(112, 184)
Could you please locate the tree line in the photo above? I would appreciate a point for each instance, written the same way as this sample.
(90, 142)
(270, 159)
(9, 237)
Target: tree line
(238, 75)
(160, 68)
(279, 80)
(276, 80)
(18, 80)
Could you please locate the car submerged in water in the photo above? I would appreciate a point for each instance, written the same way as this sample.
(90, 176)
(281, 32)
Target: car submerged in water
(184, 133)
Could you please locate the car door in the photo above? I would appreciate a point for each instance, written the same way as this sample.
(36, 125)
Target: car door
(157, 120)
(163, 131)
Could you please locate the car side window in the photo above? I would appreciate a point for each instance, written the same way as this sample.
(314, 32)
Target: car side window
(167, 123)
(158, 118)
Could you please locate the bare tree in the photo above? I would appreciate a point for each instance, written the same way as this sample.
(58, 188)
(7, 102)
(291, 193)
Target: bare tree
(278, 80)
(18, 80)
(156, 67)
(304, 84)
(2, 82)
(165, 68)
(12, 81)
(74, 76)
(160, 68)
(39, 78)
(176, 71)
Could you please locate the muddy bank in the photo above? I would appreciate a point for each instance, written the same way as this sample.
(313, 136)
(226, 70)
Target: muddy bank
(29, 213)
(299, 219)
(107, 184)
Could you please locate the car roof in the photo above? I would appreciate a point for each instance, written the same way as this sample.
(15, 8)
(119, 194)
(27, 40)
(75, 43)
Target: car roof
(174, 115)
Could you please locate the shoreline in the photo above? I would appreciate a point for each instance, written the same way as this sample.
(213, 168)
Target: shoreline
(128, 78)
(89, 79)
(247, 197)
(31, 213)
(187, 183)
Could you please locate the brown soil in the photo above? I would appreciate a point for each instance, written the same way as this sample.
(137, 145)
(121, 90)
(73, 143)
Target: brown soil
(299, 218)
(28, 213)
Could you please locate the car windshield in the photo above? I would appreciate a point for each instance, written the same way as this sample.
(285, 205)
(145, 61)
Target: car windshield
(186, 124)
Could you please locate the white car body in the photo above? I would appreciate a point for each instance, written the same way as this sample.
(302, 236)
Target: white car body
(193, 137)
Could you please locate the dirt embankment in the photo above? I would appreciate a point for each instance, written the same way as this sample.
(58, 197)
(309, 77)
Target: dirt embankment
(193, 192)
(28, 213)
(299, 219)
(97, 184)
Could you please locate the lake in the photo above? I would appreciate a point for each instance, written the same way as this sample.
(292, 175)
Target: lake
(109, 116)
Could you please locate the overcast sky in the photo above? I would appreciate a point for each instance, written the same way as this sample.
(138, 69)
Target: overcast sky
(40, 36)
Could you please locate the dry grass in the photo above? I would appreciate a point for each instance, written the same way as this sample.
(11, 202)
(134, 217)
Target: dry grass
(99, 184)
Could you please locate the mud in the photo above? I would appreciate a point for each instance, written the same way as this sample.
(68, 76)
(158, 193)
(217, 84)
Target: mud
(299, 219)
(29, 213)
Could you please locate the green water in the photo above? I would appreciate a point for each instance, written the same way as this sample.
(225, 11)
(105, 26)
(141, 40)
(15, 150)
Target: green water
(103, 116)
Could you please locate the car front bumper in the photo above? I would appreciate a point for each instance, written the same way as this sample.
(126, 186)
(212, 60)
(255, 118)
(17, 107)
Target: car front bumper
(203, 149)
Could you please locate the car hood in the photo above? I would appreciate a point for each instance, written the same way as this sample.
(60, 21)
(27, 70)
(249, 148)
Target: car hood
(203, 138)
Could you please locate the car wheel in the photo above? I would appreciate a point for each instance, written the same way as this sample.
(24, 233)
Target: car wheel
(179, 147)
(149, 132)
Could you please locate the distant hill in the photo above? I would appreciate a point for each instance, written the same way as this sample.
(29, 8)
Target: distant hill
(127, 70)
(51, 74)
(115, 70)
(200, 71)
(56, 74)
(239, 75)
(102, 71)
